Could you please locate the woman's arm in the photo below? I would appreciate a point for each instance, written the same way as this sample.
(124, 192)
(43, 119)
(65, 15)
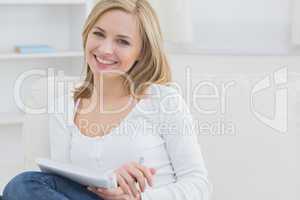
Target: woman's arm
(184, 153)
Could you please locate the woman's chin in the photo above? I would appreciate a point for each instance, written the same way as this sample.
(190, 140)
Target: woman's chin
(108, 73)
(104, 67)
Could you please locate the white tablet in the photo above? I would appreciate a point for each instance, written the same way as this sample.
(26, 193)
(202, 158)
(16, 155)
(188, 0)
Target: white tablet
(78, 174)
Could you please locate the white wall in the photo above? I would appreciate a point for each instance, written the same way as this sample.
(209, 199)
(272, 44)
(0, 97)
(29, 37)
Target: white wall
(242, 27)
(295, 8)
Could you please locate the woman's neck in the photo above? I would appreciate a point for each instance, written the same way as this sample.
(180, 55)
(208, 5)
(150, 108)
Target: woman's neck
(108, 88)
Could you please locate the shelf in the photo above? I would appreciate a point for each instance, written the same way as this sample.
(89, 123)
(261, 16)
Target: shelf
(67, 54)
(41, 2)
(11, 118)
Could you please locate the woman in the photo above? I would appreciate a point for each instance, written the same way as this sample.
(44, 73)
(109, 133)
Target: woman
(124, 111)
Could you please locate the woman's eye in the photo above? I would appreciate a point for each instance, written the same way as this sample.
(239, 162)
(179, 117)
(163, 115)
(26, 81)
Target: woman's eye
(98, 34)
(124, 42)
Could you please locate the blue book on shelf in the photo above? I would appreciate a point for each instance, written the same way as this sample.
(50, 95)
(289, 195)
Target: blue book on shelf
(23, 49)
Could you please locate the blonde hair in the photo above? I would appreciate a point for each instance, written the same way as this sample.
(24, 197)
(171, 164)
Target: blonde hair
(153, 66)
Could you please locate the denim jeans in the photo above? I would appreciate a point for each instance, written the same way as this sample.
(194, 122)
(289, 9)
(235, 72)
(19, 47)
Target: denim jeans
(44, 186)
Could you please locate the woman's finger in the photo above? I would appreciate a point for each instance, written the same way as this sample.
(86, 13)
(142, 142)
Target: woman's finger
(94, 190)
(121, 197)
(123, 184)
(130, 181)
(111, 192)
(138, 175)
(146, 172)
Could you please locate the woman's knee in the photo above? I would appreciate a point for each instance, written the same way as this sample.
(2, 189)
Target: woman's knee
(18, 185)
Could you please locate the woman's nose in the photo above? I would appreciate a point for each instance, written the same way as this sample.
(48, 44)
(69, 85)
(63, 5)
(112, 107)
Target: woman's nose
(106, 47)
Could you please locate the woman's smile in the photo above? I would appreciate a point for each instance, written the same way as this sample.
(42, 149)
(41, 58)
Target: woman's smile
(104, 63)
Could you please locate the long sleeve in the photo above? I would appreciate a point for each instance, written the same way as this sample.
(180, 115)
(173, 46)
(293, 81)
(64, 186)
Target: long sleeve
(184, 154)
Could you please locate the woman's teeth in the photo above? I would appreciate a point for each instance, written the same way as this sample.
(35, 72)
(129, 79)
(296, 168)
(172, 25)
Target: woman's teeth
(106, 62)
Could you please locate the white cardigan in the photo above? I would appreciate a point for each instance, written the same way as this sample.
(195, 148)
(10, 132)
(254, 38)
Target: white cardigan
(159, 129)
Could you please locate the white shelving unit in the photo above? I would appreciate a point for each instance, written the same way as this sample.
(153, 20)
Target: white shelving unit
(54, 23)
(66, 54)
(57, 23)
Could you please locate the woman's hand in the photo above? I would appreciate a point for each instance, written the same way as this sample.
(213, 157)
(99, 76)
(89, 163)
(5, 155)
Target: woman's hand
(130, 173)
(113, 194)
(127, 176)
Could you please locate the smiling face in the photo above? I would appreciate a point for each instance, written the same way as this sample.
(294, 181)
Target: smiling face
(113, 43)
